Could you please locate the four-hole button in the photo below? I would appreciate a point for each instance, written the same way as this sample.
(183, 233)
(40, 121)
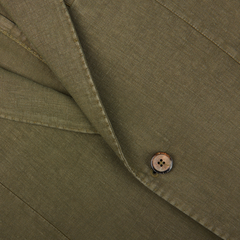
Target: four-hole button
(161, 162)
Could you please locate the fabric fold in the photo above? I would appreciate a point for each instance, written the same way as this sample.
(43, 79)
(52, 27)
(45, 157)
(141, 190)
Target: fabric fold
(51, 32)
(23, 100)
(163, 87)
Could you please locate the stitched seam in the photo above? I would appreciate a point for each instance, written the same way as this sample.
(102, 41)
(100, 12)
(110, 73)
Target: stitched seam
(22, 45)
(90, 81)
(87, 74)
(181, 206)
(47, 125)
(35, 211)
(198, 30)
(75, 39)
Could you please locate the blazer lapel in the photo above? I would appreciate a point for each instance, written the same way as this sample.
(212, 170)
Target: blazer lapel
(48, 26)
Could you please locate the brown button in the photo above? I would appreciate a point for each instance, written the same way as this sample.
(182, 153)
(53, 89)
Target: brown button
(161, 162)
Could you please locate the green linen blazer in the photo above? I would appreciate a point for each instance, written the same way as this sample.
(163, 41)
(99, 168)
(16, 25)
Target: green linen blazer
(91, 90)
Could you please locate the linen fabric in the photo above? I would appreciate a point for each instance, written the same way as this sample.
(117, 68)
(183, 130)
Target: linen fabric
(90, 91)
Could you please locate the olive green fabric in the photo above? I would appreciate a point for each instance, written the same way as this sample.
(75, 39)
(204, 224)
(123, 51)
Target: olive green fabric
(111, 83)
(65, 185)
(167, 87)
(32, 65)
(26, 101)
